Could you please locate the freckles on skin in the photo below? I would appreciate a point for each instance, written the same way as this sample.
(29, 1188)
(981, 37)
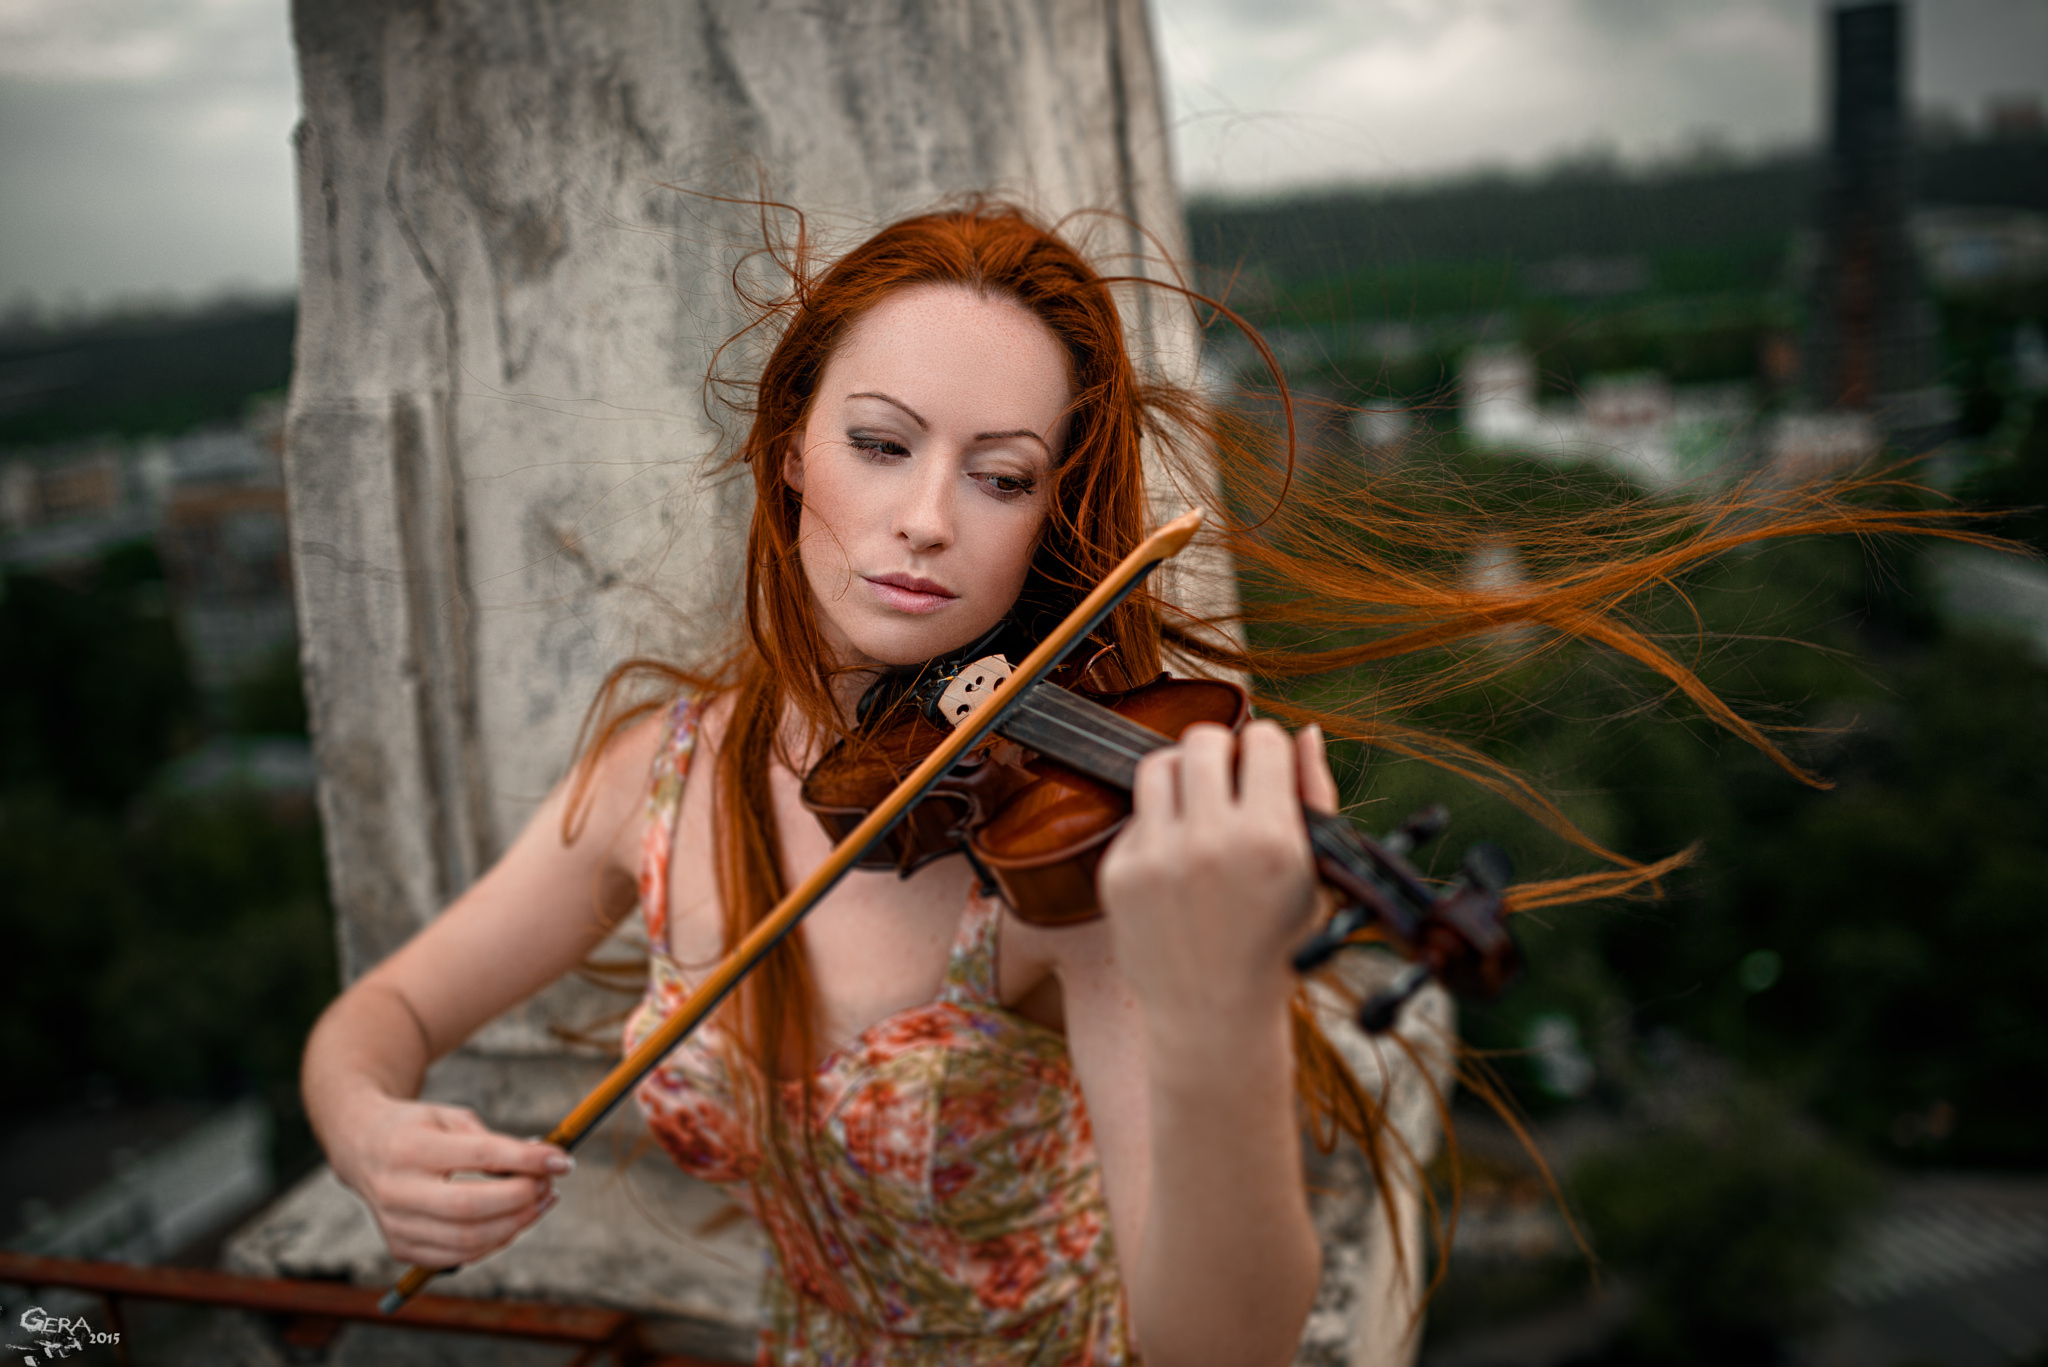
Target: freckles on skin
(922, 471)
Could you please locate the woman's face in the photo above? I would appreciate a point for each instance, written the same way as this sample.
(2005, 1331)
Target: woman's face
(923, 470)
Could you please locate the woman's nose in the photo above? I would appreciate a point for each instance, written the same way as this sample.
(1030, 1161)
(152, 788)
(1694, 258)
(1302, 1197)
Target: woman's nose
(925, 518)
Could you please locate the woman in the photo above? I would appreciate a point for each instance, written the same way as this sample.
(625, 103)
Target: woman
(969, 1140)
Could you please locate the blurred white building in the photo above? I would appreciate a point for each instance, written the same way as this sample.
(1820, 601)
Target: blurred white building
(1628, 422)
(1637, 424)
(1497, 397)
(1980, 246)
(1809, 443)
(1381, 429)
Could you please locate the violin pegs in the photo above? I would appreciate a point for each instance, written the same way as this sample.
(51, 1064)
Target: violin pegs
(1487, 867)
(1419, 829)
(1383, 1009)
(1345, 922)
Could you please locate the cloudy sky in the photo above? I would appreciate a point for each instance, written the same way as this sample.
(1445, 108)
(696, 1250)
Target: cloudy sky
(1274, 93)
(143, 142)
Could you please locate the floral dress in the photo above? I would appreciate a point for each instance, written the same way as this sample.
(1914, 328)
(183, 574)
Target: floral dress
(952, 1207)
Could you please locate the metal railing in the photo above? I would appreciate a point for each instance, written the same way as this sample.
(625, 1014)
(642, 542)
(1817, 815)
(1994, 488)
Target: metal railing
(312, 1314)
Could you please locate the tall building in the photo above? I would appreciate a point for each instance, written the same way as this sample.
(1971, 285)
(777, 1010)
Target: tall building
(1871, 336)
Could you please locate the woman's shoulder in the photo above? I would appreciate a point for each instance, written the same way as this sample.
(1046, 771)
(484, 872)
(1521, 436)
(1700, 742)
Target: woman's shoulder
(689, 720)
(694, 718)
(628, 764)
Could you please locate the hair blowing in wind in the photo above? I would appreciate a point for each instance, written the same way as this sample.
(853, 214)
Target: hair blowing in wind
(1354, 605)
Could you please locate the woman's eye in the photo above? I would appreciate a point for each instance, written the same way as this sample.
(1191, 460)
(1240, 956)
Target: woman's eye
(1008, 486)
(877, 446)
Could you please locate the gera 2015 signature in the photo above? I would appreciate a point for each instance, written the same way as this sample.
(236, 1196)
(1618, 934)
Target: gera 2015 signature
(54, 1338)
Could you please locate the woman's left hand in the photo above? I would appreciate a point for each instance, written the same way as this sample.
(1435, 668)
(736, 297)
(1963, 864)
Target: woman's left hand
(1206, 891)
(1211, 884)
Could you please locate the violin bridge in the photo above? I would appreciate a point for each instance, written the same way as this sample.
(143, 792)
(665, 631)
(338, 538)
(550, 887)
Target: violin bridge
(972, 687)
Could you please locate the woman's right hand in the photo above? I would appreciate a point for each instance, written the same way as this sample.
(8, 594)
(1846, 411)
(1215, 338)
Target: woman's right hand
(444, 1189)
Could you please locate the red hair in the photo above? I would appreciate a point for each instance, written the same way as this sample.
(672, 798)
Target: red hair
(1331, 578)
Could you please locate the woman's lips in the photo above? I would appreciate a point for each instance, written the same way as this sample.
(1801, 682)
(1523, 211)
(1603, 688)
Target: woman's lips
(908, 593)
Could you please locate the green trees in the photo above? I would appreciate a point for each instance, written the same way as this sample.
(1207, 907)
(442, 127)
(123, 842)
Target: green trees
(1898, 910)
(1861, 963)
(1726, 1223)
(169, 943)
(95, 694)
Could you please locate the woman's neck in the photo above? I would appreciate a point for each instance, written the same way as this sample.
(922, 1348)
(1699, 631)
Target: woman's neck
(801, 739)
(848, 687)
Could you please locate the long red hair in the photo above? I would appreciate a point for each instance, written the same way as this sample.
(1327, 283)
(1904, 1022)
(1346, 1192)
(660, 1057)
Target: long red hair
(1332, 576)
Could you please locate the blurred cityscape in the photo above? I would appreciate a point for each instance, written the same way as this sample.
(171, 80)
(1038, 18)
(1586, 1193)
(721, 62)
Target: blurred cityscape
(1792, 1107)
(162, 895)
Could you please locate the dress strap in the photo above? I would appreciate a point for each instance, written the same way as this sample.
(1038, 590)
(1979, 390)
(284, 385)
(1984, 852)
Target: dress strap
(971, 969)
(664, 805)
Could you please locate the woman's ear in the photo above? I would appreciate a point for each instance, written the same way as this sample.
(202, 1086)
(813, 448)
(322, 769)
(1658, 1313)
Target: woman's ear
(793, 466)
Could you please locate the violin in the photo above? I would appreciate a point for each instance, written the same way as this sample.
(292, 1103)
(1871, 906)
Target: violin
(1035, 818)
(1034, 807)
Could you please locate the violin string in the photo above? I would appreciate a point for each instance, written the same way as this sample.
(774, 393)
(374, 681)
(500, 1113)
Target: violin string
(1107, 746)
(1333, 836)
(1089, 736)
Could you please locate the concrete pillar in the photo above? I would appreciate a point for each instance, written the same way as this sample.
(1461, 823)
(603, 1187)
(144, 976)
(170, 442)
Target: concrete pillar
(503, 464)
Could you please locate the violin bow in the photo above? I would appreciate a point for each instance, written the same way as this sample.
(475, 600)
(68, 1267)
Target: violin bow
(1165, 543)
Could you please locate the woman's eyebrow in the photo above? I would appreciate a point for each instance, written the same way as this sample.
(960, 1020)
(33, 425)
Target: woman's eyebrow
(1020, 432)
(871, 394)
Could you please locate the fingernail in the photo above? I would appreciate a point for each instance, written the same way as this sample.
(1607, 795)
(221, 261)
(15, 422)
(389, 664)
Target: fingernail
(560, 1162)
(547, 1202)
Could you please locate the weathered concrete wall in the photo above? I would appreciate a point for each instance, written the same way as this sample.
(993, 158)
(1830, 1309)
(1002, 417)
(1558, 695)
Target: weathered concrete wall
(501, 467)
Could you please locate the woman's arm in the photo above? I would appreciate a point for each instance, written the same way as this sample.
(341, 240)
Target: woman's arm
(1177, 1018)
(537, 913)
